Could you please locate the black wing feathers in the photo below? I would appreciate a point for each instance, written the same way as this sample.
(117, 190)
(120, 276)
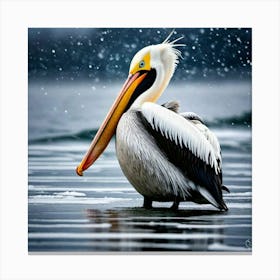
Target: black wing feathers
(191, 166)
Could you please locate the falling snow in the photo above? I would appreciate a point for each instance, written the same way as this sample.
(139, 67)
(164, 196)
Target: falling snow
(98, 54)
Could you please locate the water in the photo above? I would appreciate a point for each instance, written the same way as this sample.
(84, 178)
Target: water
(101, 212)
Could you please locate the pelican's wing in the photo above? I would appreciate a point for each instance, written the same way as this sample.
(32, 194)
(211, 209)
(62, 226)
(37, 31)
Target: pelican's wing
(199, 123)
(171, 105)
(186, 147)
(209, 135)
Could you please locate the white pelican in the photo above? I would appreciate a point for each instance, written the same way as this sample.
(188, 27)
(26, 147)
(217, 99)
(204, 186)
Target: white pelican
(165, 155)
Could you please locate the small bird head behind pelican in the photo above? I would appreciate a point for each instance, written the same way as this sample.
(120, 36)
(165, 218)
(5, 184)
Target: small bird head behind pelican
(166, 156)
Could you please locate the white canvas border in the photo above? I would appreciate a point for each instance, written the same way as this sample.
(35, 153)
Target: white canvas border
(17, 16)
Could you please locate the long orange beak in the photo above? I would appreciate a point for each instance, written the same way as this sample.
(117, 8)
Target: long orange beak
(109, 125)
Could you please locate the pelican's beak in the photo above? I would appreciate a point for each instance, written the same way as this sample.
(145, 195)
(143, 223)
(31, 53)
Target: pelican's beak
(109, 125)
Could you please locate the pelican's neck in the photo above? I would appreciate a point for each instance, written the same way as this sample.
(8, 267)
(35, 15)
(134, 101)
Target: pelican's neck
(163, 77)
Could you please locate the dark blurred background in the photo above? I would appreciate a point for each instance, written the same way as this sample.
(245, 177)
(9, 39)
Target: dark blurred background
(105, 53)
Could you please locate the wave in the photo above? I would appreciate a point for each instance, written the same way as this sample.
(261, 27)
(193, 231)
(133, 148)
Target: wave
(80, 135)
(243, 120)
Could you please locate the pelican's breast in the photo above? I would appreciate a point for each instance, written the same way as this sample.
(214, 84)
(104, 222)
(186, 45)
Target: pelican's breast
(144, 164)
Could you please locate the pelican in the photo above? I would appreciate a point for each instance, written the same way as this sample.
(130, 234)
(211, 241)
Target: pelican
(165, 155)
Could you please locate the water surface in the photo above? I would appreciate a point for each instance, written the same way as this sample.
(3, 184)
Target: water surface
(101, 212)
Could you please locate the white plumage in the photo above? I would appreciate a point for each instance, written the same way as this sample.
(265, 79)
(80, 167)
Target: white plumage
(183, 132)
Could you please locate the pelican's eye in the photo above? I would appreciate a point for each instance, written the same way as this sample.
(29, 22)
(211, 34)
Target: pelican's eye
(141, 64)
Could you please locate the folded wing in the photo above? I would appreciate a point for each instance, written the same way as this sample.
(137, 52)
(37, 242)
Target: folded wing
(189, 145)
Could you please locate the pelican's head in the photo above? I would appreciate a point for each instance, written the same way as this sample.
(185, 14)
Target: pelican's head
(149, 74)
(157, 63)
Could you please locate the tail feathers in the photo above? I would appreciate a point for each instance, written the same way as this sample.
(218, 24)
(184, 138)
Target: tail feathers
(224, 188)
(222, 206)
(217, 201)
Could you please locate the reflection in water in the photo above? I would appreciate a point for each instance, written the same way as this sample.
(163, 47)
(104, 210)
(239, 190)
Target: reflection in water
(136, 229)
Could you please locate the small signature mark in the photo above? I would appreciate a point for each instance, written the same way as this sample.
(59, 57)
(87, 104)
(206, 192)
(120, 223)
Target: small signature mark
(248, 243)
